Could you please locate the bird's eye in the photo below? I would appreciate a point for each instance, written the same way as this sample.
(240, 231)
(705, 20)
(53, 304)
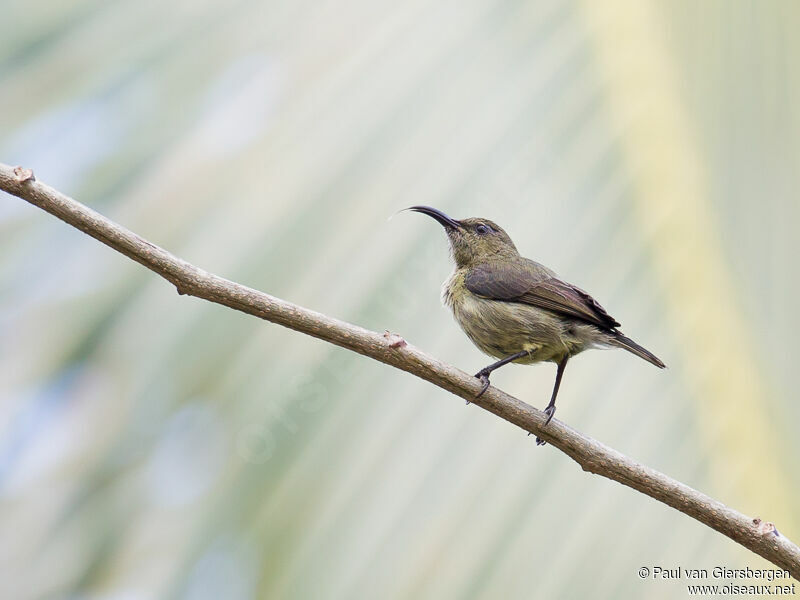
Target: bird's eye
(483, 229)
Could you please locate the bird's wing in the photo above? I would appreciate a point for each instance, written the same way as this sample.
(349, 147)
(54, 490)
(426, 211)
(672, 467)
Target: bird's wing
(530, 283)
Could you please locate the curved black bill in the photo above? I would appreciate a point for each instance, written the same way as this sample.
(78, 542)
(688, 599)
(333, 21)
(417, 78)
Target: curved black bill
(436, 214)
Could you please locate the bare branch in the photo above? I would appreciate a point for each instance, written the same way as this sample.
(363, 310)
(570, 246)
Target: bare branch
(759, 536)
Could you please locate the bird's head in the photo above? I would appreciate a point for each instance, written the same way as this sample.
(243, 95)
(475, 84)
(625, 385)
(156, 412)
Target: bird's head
(474, 240)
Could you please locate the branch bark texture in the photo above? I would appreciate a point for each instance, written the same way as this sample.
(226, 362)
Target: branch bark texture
(759, 536)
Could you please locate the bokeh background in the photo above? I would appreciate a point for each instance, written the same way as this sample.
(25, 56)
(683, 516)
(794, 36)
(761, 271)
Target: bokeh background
(156, 446)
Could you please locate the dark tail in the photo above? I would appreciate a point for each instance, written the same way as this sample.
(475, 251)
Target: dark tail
(634, 348)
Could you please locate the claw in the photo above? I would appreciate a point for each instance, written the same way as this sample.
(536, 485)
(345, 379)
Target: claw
(549, 411)
(484, 380)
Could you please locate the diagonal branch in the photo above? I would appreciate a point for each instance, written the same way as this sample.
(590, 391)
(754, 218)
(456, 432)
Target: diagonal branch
(760, 537)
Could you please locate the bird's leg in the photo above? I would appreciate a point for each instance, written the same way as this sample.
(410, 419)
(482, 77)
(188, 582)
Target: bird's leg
(551, 408)
(484, 373)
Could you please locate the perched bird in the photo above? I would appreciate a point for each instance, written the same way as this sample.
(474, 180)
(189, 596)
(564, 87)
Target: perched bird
(517, 310)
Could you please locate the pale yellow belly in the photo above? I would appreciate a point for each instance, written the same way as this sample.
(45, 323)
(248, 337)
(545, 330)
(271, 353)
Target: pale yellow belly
(501, 329)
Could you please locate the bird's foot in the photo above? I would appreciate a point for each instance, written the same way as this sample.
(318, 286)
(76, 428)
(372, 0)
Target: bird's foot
(549, 411)
(539, 441)
(484, 377)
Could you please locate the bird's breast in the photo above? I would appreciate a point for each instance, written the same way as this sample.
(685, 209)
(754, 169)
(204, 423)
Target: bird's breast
(453, 289)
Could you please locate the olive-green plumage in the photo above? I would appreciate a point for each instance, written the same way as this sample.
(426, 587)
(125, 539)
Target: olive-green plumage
(517, 310)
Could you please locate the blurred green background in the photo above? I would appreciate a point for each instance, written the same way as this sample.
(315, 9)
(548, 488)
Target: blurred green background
(157, 446)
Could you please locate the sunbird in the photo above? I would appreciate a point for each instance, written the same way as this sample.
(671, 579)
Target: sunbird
(517, 310)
